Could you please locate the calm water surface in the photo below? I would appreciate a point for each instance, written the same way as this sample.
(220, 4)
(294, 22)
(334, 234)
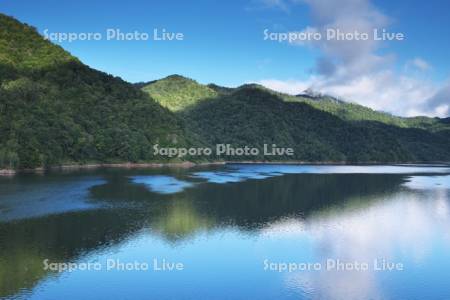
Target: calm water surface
(233, 228)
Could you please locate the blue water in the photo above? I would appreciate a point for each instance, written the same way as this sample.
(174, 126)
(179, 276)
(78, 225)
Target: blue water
(232, 228)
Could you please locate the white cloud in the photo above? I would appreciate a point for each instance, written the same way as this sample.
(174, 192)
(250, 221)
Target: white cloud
(291, 87)
(351, 57)
(356, 71)
(419, 63)
(439, 103)
(383, 90)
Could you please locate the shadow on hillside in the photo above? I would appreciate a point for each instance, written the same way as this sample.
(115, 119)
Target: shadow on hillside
(252, 116)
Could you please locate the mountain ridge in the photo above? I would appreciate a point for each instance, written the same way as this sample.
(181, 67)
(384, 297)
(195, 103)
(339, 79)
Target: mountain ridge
(364, 130)
(55, 110)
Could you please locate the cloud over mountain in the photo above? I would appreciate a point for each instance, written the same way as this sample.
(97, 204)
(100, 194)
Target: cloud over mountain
(355, 70)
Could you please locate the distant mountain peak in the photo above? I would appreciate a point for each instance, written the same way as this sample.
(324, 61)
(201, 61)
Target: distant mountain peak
(174, 77)
(252, 86)
(177, 92)
(177, 77)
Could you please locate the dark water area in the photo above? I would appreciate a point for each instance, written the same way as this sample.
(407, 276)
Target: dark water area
(234, 231)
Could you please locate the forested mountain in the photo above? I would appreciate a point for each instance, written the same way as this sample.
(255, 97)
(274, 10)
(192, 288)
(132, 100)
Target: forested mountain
(178, 93)
(55, 110)
(319, 128)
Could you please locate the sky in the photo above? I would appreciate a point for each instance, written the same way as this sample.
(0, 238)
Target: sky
(225, 42)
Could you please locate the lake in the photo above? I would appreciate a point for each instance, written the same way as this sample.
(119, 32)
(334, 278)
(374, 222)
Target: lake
(238, 231)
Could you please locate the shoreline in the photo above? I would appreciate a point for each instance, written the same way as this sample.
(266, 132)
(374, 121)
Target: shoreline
(188, 164)
(128, 165)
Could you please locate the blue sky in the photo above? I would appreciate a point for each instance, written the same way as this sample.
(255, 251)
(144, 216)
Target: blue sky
(223, 43)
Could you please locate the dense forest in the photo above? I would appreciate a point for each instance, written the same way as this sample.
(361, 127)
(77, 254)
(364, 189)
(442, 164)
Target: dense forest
(55, 110)
(319, 128)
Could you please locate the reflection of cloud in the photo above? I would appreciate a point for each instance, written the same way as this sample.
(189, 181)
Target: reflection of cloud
(232, 175)
(286, 228)
(436, 188)
(162, 184)
(429, 182)
(242, 172)
(403, 229)
(335, 285)
(379, 231)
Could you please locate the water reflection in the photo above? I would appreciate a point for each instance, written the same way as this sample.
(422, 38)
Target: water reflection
(429, 182)
(404, 231)
(28, 198)
(271, 212)
(162, 184)
(241, 172)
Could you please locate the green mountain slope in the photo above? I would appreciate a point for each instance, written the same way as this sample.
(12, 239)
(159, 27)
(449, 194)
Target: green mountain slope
(221, 90)
(254, 117)
(54, 109)
(178, 93)
(355, 112)
(319, 128)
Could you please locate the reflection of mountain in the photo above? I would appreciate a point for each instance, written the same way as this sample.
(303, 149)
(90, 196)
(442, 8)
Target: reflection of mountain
(181, 220)
(254, 203)
(248, 205)
(59, 238)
